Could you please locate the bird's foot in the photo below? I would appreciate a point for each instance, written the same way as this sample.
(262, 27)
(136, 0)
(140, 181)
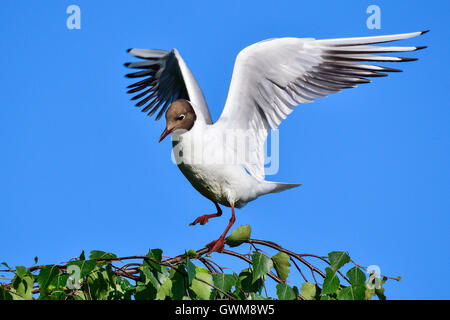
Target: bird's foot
(216, 245)
(202, 219)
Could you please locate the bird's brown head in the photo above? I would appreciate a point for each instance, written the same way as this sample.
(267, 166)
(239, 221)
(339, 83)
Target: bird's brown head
(179, 115)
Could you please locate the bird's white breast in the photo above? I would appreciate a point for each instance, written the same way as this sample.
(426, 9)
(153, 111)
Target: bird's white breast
(199, 155)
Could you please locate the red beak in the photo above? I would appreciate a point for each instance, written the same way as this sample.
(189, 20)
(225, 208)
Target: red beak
(165, 134)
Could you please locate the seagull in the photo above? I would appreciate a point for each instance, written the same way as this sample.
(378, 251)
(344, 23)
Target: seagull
(224, 161)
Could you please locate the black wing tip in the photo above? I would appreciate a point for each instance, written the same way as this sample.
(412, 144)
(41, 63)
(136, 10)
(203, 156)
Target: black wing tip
(403, 59)
(128, 50)
(387, 69)
(364, 81)
(426, 31)
(421, 47)
(378, 75)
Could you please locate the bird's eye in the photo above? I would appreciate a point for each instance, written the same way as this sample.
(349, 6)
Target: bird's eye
(181, 117)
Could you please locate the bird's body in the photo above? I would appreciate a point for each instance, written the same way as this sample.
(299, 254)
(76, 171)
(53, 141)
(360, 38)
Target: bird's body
(218, 178)
(224, 161)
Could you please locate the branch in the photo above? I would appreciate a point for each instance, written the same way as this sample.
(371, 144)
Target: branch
(132, 270)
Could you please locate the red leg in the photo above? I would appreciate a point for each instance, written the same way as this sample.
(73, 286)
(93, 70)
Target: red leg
(204, 219)
(219, 244)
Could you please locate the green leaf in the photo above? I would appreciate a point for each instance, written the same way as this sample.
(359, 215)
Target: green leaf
(4, 294)
(281, 264)
(190, 268)
(144, 292)
(59, 282)
(338, 259)
(164, 290)
(126, 287)
(110, 278)
(224, 281)
(82, 256)
(331, 282)
(155, 254)
(285, 292)
(23, 286)
(239, 236)
(82, 267)
(45, 277)
(6, 265)
(254, 296)
(247, 283)
(149, 284)
(178, 277)
(369, 293)
(36, 260)
(297, 292)
(309, 290)
(357, 292)
(154, 273)
(201, 289)
(15, 296)
(261, 265)
(380, 294)
(97, 254)
(201, 269)
(148, 276)
(21, 271)
(99, 286)
(108, 286)
(356, 277)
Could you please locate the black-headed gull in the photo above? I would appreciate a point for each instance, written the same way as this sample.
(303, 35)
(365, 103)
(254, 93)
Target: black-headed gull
(224, 160)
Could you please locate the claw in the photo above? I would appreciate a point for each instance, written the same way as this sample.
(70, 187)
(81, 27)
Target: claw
(219, 244)
(202, 220)
(216, 245)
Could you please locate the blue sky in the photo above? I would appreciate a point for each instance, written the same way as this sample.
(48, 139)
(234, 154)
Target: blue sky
(81, 167)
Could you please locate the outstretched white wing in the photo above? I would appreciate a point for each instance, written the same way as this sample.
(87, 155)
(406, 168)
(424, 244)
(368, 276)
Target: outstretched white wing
(166, 78)
(273, 76)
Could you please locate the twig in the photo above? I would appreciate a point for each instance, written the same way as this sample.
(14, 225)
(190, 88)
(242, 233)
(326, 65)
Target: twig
(131, 270)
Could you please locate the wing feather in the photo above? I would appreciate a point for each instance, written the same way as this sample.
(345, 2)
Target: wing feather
(166, 78)
(271, 77)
